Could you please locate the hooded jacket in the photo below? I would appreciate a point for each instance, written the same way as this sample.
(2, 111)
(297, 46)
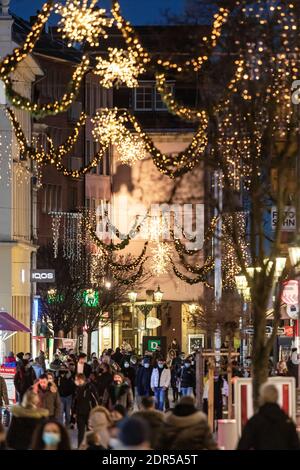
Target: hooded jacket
(269, 429)
(186, 428)
(118, 395)
(23, 424)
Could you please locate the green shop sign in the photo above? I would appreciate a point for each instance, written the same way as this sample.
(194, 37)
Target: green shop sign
(91, 298)
(152, 344)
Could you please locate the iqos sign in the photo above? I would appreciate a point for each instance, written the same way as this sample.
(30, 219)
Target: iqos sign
(43, 275)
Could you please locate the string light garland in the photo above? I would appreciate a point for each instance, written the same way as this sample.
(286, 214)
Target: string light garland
(111, 246)
(207, 267)
(196, 64)
(54, 156)
(82, 20)
(183, 162)
(133, 42)
(126, 267)
(57, 106)
(121, 68)
(133, 279)
(9, 63)
(202, 278)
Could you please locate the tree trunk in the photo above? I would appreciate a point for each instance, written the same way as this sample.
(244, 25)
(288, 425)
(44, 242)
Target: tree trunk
(89, 343)
(260, 374)
(260, 356)
(57, 342)
(229, 376)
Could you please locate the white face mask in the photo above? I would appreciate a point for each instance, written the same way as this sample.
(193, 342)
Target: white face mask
(147, 365)
(126, 365)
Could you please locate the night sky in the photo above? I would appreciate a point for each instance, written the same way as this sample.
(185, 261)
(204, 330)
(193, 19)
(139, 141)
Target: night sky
(137, 11)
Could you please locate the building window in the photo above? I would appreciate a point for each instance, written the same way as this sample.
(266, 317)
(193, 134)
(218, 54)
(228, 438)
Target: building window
(143, 97)
(147, 98)
(52, 199)
(73, 199)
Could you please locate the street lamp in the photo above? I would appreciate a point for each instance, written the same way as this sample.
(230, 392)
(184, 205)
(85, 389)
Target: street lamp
(132, 296)
(158, 295)
(108, 285)
(294, 252)
(279, 266)
(193, 308)
(241, 283)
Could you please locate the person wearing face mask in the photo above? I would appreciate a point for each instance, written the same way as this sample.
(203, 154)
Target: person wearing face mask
(25, 419)
(51, 436)
(119, 393)
(187, 379)
(129, 372)
(66, 389)
(24, 379)
(160, 382)
(143, 379)
(85, 399)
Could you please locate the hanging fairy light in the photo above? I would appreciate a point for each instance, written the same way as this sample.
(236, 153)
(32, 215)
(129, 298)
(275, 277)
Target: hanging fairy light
(131, 150)
(108, 126)
(82, 20)
(121, 68)
(160, 255)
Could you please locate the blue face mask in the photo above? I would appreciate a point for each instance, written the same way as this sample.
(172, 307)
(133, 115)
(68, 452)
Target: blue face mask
(147, 365)
(51, 438)
(160, 366)
(186, 366)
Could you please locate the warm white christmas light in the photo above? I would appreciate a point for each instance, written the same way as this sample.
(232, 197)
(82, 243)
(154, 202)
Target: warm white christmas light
(82, 20)
(121, 68)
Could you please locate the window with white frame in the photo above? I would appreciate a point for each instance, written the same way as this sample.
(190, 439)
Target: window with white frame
(147, 98)
(143, 97)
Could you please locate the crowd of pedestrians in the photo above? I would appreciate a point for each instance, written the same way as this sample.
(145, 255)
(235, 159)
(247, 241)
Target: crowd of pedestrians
(121, 401)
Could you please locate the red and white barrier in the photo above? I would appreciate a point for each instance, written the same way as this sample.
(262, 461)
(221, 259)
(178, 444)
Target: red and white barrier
(286, 387)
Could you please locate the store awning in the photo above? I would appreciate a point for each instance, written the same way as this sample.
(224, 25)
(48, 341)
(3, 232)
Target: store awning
(9, 323)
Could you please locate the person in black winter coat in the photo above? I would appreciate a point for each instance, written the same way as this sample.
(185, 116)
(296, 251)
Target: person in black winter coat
(143, 378)
(85, 399)
(24, 379)
(117, 356)
(104, 379)
(26, 418)
(270, 428)
(66, 390)
(187, 379)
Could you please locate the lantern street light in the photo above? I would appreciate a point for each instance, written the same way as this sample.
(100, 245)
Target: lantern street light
(193, 308)
(158, 295)
(132, 295)
(294, 252)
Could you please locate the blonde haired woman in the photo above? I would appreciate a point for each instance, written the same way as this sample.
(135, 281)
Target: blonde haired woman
(99, 423)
